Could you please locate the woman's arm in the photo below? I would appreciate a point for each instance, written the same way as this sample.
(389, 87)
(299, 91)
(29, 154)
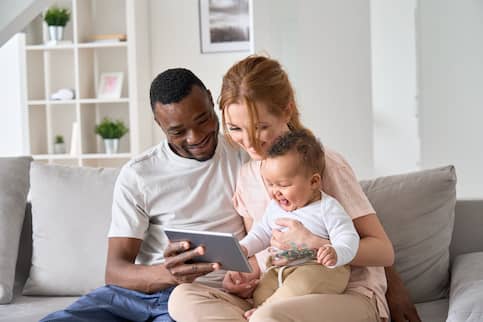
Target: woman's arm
(375, 248)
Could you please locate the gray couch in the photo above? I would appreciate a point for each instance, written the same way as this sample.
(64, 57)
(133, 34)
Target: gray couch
(438, 240)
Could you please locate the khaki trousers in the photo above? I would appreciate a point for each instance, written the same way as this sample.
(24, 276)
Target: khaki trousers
(199, 303)
(309, 278)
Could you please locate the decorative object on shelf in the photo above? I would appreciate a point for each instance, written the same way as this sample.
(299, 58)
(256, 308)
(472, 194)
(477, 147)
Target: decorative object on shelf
(59, 145)
(56, 19)
(109, 37)
(63, 94)
(225, 25)
(110, 85)
(111, 131)
(74, 139)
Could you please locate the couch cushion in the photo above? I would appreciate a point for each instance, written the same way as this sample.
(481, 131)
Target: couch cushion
(417, 212)
(14, 187)
(71, 213)
(435, 311)
(466, 293)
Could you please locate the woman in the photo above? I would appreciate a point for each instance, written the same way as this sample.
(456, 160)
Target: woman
(258, 105)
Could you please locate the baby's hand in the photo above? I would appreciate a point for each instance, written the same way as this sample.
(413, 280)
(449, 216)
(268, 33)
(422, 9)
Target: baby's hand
(327, 255)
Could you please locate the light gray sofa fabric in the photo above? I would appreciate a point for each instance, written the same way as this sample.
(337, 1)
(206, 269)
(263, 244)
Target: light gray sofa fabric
(434, 311)
(417, 212)
(14, 187)
(466, 295)
(71, 214)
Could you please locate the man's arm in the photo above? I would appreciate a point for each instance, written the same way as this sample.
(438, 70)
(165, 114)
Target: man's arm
(400, 305)
(121, 270)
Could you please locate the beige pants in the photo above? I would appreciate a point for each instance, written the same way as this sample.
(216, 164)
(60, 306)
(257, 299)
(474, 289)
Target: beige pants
(199, 303)
(309, 278)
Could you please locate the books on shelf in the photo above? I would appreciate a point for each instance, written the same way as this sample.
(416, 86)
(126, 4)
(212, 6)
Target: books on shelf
(109, 37)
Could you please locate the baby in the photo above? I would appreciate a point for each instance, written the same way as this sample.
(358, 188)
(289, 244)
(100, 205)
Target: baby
(293, 173)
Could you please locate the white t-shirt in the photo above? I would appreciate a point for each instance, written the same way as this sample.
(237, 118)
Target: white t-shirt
(161, 189)
(325, 218)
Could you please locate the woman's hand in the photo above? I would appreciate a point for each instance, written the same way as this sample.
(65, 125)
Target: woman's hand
(296, 234)
(241, 284)
(177, 254)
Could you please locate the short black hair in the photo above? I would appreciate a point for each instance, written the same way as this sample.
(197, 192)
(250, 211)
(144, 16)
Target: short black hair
(306, 145)
(172, 85)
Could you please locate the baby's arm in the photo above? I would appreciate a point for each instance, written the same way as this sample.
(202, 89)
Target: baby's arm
(258, 238)
(344, 239)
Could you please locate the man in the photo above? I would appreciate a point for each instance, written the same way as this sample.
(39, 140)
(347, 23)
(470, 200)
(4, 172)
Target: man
(187, 181)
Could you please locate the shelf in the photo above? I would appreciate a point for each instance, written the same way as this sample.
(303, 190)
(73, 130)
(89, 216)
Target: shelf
(102, 44)
(103, 100)
(81, 101)
(50, 47)
(93, 156)
(51, 102)
(88, 156)
(54, 157)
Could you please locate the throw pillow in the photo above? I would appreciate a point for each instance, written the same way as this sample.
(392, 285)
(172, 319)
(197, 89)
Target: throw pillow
(71, 214)
(14, 187)
(417, 212)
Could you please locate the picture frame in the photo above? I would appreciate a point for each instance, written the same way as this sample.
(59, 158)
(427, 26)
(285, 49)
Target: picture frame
(110, 85)
(226, 25)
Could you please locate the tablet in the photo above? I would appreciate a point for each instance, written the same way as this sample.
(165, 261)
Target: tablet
(220, 248)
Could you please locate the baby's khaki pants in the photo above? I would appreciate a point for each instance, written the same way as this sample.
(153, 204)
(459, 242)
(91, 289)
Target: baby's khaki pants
(308, 278)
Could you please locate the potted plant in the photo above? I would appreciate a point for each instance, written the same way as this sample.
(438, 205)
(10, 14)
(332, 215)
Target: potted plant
(111, 132)
(59, 145)
(56, 18)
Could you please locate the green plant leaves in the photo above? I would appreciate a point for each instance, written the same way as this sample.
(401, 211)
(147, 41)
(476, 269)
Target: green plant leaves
(110, 129)
(56, 16)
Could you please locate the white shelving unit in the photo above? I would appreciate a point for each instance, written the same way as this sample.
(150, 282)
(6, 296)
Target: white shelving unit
(78, 65)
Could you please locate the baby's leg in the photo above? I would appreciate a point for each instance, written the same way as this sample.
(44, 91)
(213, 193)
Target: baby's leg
(312, 278)
(266, 287)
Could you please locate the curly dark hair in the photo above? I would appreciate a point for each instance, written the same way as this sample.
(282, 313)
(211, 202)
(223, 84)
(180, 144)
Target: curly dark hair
(172, 85)
(307, 147)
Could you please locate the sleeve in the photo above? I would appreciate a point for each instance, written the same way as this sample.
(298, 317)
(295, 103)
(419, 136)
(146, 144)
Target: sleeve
(258, 238)
(342, 233)
(129, 217)
(340, 182)
(238, 202)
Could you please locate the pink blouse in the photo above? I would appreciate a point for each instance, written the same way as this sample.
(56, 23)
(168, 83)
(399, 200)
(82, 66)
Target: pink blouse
(339, 181)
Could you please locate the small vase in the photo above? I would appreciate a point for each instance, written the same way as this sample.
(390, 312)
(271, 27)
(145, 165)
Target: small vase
(59, 148)
(111, 145)
(56, 33)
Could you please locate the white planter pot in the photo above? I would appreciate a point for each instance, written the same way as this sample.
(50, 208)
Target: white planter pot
(56, 33)
(59, 148)
(111, 146)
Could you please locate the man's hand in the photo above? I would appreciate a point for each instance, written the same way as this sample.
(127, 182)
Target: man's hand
(241, 284)
(177, 254)
(400, 305)
(327, 256)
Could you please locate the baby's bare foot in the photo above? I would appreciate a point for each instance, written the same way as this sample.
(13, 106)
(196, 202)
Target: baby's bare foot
(249, 313)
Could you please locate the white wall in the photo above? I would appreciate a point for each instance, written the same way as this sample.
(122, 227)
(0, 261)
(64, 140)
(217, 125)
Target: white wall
(175, 42)
(451, 86)
(325, 47)
(394, 86)
(13, 122)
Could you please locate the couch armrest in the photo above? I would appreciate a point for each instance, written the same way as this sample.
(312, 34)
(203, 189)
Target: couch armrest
(466, 291)
(467, 235)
